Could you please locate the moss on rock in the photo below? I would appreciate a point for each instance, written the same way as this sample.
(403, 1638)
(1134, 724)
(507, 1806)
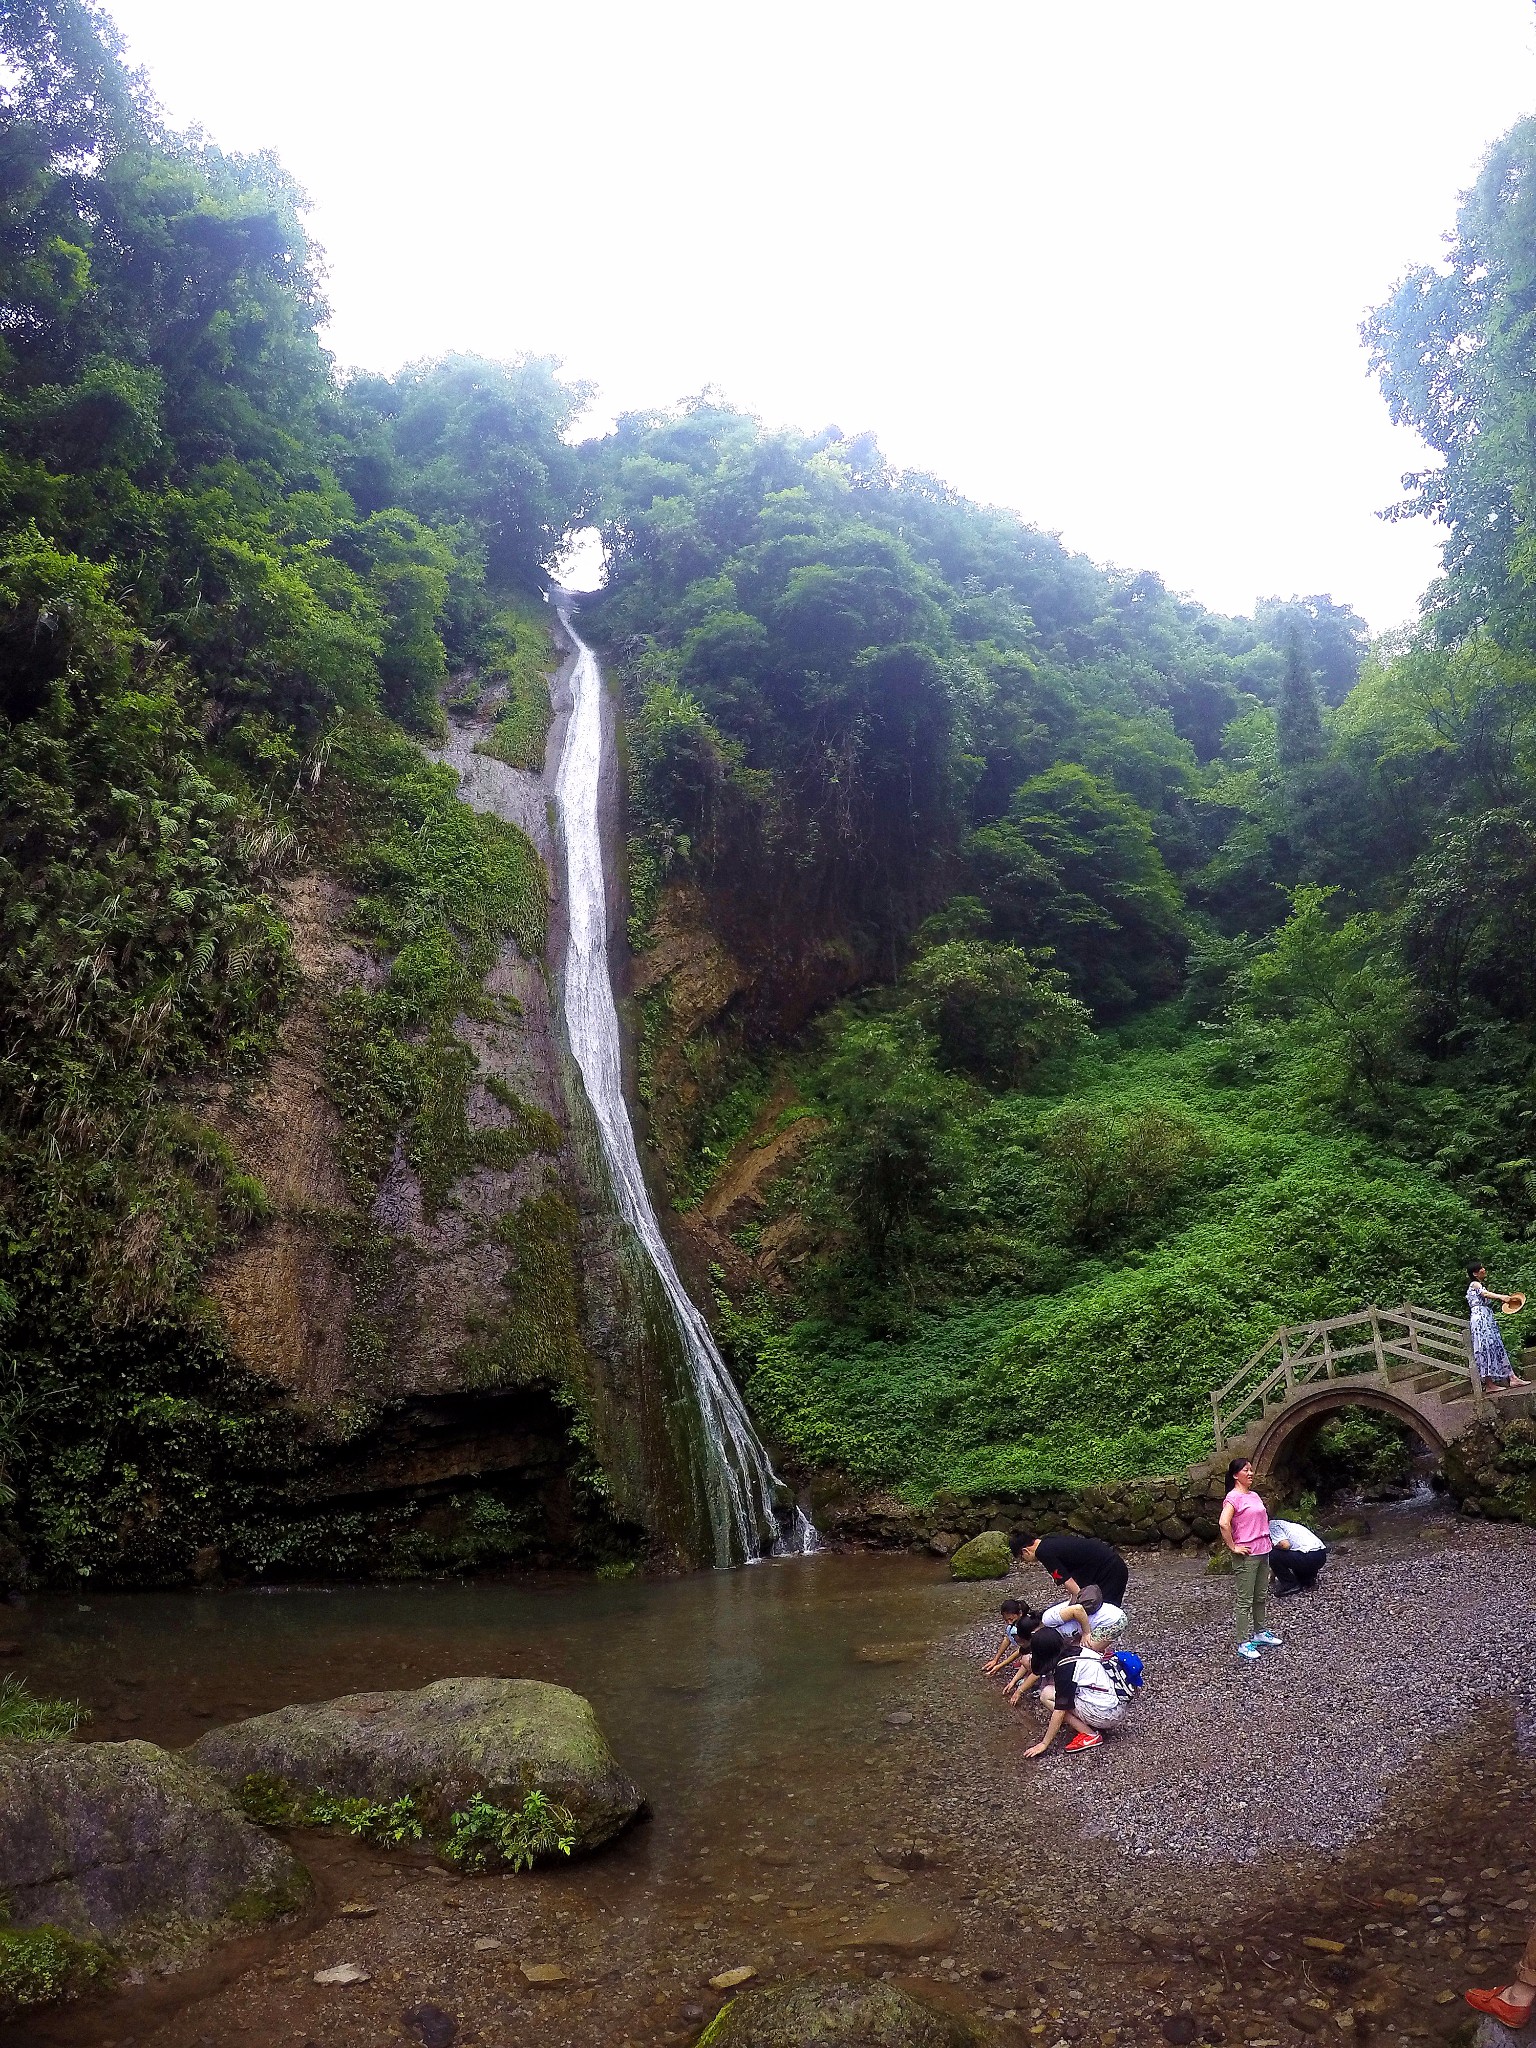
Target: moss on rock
(986, 1556)
(121, 1842)
(1491, 1470)
(438, 1747)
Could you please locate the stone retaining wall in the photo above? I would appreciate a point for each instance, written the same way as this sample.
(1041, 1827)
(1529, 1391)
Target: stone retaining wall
(1130, 1513)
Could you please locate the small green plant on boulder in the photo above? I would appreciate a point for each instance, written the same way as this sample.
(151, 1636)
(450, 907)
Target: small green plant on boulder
(26, 1718)
(272, 1804)
(43, 1966)
(485, 1836)
(371, 1820)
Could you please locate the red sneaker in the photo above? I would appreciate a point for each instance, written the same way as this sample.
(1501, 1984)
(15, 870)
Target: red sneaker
(1501, 2009)
(1085, 1741)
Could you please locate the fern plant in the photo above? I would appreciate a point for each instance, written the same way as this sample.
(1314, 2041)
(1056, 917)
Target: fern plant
(370, 1820)
(484, 1836)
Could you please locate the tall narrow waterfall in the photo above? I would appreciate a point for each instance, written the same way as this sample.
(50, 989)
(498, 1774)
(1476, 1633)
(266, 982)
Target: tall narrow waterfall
(746, 1500)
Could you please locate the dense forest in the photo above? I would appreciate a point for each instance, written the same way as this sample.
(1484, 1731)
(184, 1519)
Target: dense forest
(1043, 985)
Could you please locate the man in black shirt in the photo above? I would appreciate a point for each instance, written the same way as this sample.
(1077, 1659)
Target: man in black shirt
(1075, 1562)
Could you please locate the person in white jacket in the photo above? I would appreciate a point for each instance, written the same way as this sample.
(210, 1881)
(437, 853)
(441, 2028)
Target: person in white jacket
(1296, 1558)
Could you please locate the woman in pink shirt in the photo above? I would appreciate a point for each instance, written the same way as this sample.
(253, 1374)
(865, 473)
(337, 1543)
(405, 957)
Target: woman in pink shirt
(1245, 1532)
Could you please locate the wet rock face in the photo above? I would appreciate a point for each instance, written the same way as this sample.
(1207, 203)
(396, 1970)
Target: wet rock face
(837, 2013)
(502, 1737)
(120, 1839)
(986, 1556)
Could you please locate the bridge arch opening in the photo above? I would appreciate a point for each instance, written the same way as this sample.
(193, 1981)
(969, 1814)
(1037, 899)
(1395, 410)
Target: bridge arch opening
(1350, 1444)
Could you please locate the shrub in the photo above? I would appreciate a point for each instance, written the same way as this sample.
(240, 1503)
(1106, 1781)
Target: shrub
(484, 1835)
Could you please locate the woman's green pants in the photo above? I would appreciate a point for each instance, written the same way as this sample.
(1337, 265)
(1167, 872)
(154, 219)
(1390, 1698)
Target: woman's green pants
(1252, 1595)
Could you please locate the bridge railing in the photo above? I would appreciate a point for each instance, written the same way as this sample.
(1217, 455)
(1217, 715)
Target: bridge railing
(1304, 1352)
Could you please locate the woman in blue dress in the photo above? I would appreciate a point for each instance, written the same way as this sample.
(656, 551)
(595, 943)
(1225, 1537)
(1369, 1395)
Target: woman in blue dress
(1488, 1353)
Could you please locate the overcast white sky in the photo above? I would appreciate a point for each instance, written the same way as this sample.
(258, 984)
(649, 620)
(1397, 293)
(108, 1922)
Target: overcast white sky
(1101, 260)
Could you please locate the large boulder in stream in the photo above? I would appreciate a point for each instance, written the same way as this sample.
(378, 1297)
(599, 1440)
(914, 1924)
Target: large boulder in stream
(501, 1737)
(986, 1556)
(123, 1843)
(837, 2012)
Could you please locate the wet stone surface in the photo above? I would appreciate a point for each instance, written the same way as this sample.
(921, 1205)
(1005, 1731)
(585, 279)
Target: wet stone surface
(796, 1818)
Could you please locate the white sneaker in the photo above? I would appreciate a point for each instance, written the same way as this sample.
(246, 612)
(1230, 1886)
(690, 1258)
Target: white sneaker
(1250, 1651)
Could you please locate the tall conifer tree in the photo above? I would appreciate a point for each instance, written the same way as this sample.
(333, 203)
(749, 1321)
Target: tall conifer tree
(1298, 721)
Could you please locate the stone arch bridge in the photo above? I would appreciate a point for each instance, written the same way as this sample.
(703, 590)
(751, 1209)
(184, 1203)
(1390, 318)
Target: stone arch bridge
(1414, 1364)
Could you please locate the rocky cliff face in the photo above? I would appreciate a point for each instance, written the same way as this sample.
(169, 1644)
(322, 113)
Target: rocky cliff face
(464, 1349)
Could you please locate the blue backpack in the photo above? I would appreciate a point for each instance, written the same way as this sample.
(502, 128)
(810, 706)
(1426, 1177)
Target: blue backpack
(1130, 1664)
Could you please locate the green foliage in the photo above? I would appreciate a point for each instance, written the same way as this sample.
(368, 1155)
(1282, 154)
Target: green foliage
(890, 1159)
(387, 1824)
(1298, 720)
(485, 1836)
(1220, 1212)
(1109, 1163)
(26, 1718)
(996, 1011)
(1074, 866)
(516, 657)
(44, 1966)
(1358, 1451)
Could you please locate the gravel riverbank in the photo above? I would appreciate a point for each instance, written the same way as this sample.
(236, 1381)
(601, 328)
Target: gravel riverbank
(1411, 1636)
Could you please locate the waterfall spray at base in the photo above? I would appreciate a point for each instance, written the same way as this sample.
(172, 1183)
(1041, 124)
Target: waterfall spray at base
(750, 1511)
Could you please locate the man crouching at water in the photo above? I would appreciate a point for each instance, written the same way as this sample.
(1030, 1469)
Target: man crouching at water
(1075, 1689)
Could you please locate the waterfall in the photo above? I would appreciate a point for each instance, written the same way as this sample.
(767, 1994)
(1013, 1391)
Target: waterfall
(747, 1511)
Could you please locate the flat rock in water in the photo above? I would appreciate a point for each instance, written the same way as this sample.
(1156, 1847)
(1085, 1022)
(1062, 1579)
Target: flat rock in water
(114, 1839)
(889, 1653)
(836, 2012)
(344, 1973)
(543, 1973)
(881, 1873)
(727, 1980)
(905, 1926)
(502, 1737)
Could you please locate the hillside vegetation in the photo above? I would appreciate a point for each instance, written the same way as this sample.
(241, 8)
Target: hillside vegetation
(1143, 978)
(1106, 980)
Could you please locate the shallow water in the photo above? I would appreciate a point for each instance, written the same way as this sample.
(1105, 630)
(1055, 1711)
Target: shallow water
(732, 1698)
